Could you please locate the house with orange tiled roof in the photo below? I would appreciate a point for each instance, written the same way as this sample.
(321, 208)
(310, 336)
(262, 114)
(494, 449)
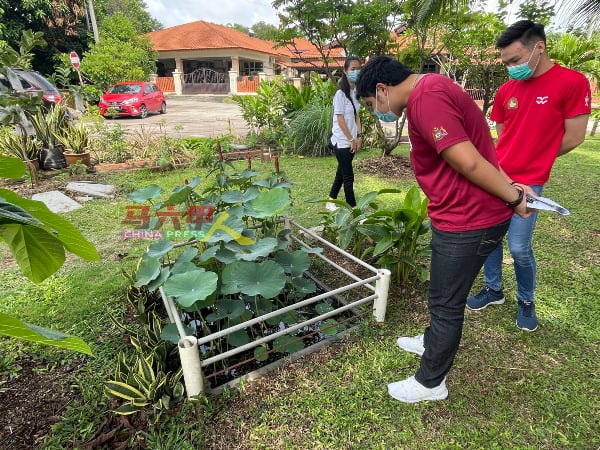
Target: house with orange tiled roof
(305, 57)
(203, 57)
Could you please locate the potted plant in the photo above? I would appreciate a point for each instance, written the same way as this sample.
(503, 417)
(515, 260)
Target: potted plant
(47, 125)
(76, 139)
(24, 147)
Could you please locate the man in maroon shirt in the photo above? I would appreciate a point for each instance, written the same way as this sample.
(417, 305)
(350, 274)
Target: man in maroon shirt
(470, 203)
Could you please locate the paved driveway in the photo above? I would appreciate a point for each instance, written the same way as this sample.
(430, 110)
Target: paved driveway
(191, 115)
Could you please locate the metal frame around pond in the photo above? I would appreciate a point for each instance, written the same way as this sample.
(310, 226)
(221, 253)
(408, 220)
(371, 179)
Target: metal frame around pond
(381, 278)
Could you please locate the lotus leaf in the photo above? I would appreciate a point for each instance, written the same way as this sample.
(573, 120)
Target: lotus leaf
(261, 353)
(158, 281)
(187, 255)
(303, 286)
(148, 270)
(322, 308)
(238, 338)
(179, 195)
(260, 249)
(170, 333)
(288, 344)
(294, 263)
(329, 327)
(287, 318)
(273, 202)
(266, 278)
(190, 287)
(159, 248)
(231, 197)
(143, 195)
(227, 309)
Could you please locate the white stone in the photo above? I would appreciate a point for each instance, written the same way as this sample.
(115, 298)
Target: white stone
(57, 202)
(93, 189)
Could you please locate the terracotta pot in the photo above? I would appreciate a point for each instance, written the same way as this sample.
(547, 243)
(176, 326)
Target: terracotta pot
(82, 158)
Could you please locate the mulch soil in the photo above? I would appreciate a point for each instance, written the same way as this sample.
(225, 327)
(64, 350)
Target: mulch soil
(33, 396)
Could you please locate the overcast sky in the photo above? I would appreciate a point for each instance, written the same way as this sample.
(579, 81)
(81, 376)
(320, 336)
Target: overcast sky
(244, 12)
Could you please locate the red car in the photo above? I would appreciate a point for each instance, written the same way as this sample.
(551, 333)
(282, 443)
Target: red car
(133, 98)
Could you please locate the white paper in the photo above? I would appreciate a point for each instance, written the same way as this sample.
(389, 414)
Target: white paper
(546, 204)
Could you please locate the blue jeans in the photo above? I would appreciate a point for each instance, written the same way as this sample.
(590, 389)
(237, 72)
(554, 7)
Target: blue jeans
(520, 234)
(344, 175)
(456, 259)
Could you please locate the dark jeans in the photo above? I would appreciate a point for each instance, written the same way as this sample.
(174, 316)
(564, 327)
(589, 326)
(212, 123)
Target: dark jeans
(344, 175)
(456, 259)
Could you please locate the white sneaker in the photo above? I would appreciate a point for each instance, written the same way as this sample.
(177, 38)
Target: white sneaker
(411, 391)
(330, 206)
(412, 344)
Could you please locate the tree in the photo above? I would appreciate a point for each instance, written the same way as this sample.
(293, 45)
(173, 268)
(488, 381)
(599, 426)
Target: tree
(576, 52)
(368, 25)
(61, 23)
(265, 31)
(120, 55)
(474, 57)
(241, 28)
(585, 13)
(135, 11)
(313, 20)
(536, 11)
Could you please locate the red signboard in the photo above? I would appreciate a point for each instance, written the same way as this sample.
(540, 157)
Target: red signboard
(74, 59)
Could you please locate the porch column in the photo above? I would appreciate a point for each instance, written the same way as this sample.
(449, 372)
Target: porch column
(235, 63)
(177, 82)
(297, 82)
(233, 74)
(262, 76)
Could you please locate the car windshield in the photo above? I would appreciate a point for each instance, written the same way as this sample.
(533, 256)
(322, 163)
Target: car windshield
(125, 89)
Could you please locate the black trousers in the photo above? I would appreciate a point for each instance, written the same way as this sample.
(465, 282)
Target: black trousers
(344, 176)
(456, 259)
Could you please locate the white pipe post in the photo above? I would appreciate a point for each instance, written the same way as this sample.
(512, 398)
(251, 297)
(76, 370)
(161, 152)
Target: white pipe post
(190, 363)
(382, 287)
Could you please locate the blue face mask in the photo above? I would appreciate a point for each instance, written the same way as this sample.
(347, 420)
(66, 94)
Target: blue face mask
(389, 116)
(523, 71)
(353, 75)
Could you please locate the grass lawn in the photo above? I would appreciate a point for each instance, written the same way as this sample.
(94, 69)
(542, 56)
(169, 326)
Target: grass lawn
(507, 388)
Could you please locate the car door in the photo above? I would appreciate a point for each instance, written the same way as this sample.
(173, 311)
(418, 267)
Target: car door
(150, 97)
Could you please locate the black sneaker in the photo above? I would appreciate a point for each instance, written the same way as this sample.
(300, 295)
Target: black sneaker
(485, 297)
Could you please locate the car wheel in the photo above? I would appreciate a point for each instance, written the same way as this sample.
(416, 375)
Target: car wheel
(143, 112)
(163, 108)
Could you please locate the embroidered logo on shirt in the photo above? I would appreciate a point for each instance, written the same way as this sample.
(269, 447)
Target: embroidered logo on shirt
(439, 133)
(587, 100)
(542, 100)
(513, 103)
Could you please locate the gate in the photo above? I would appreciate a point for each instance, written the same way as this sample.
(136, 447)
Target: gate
(205, 81)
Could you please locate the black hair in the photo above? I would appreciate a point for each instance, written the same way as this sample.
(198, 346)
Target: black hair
(524, 31)
(380, 69)
(344, 83)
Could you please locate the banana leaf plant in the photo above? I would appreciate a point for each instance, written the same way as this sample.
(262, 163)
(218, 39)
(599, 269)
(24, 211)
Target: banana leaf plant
(38, 240)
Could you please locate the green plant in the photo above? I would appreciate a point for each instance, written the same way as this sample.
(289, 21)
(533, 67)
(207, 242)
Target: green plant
(393, 236)
(144, 383)
(77, 168)
(74, 137)
(37, 238)
(23, 147)
(310, 128)
(48, 124)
